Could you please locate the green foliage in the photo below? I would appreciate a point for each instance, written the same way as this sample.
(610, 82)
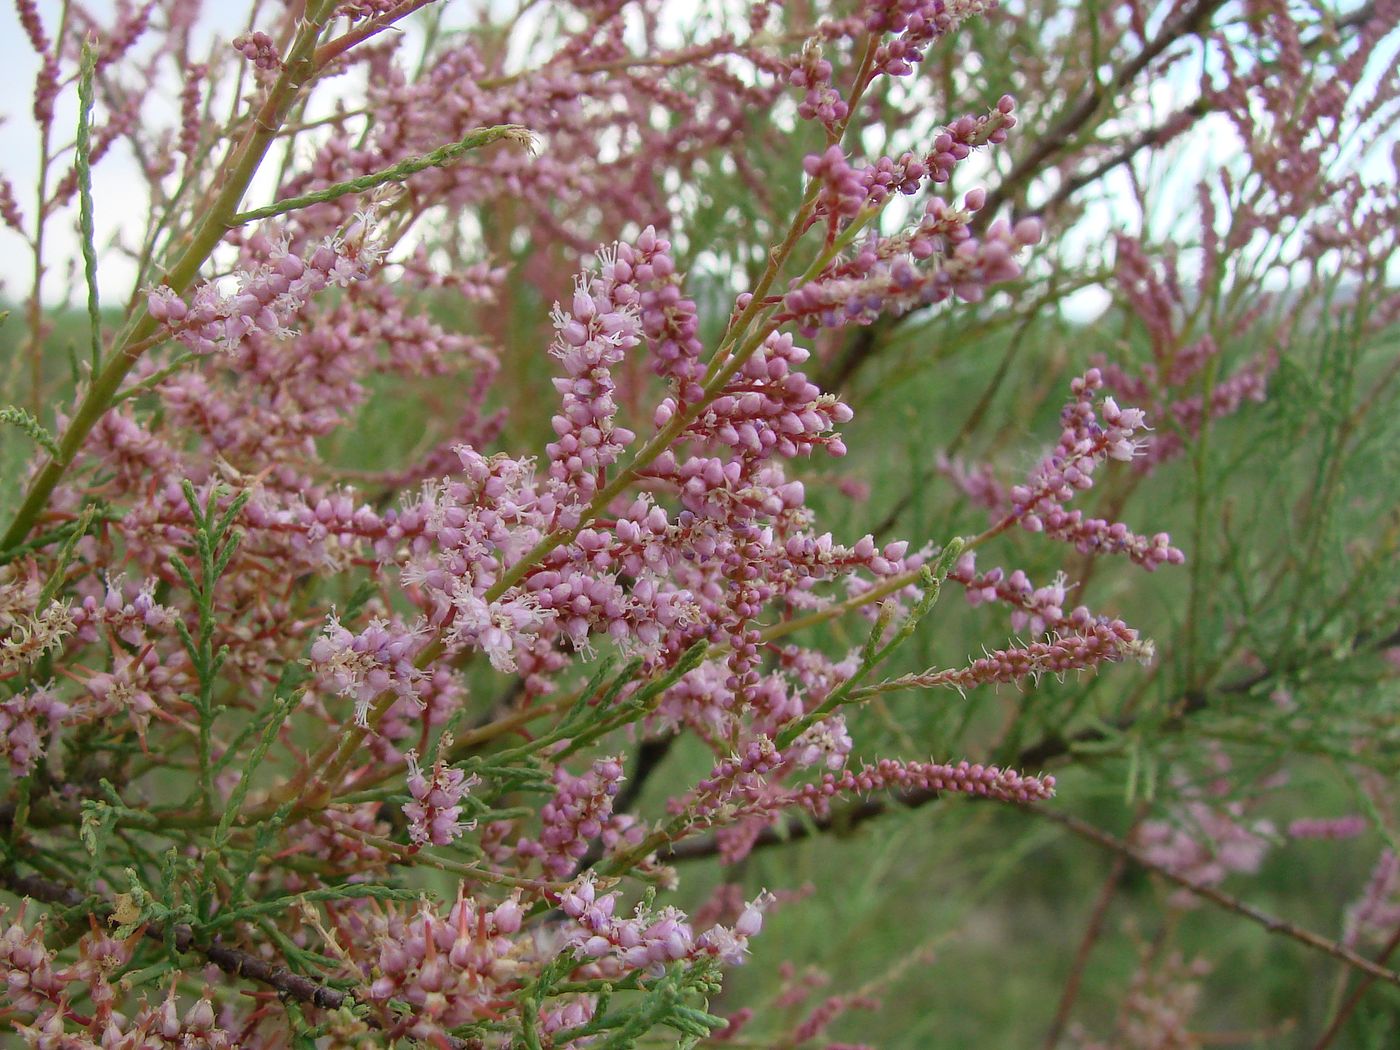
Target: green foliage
(214, 545)
(21, 419)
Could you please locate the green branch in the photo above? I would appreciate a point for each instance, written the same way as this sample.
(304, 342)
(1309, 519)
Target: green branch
(233, 180)
(84, 167)
(440, 157)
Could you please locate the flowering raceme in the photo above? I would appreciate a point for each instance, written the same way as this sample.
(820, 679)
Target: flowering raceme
(351, 610)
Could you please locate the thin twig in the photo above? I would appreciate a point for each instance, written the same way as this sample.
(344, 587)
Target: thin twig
(1334, 1029)
(333, 49)
(395, 173)
(1073, 119)
(1272, 923)
(1092, 931)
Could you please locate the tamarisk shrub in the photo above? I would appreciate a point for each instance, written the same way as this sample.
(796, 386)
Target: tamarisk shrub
(455, 460)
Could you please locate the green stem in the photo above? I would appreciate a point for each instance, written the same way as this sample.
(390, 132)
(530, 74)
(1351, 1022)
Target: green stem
(297, 70)
(83, 149)
(438, 158)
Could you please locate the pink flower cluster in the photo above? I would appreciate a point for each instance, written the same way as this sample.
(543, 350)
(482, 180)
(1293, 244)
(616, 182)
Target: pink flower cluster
(434, 815)
(1162, 385)
(1087, 439)
(575, 817)
(592, 339)
(822, 102)
(26, 720)
(964, 778)
(259, 49)
(362, 666)
(744, 793)
(1208, 836)
(1205, 843)
(1348, 827)
(1039, 609)
(1375, 915)
(936, 259)
(770, 408)
(648, 941)
(669, 319)
(1088, 642)
(914, 25)
(845, 190)
(43, 987)
(268, 295)
(451, 970)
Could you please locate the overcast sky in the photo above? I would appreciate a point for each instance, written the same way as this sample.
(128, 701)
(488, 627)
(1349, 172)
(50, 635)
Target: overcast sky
(119, 189)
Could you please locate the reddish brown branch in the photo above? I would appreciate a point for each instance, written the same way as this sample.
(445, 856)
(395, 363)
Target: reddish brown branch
(1092, 931)
(1345, 1011)
(1271, 923)
(1073, 119)
(366, 29)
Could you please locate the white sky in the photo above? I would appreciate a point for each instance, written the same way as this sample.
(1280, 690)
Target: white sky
(119, 188)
